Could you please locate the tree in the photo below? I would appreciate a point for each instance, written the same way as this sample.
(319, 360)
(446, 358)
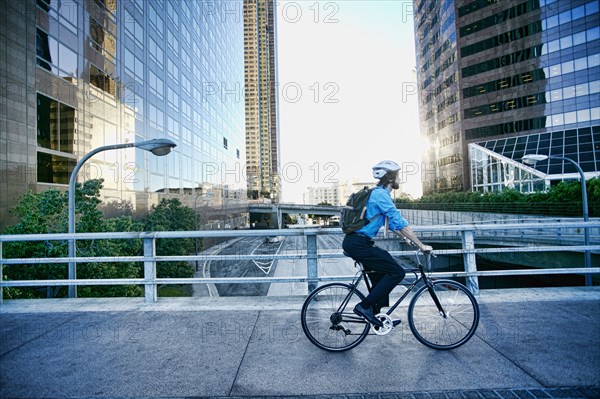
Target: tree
(562, 199)
(46, 213)
(171, 215)
(403, 198)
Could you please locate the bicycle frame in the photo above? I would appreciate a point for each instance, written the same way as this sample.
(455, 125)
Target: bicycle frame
(420, 275)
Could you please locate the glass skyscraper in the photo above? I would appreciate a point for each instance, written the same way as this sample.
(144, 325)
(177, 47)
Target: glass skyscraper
(80, 74)
(501, 79)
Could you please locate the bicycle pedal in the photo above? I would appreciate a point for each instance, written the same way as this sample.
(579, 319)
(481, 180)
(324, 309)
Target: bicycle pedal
(396, 322)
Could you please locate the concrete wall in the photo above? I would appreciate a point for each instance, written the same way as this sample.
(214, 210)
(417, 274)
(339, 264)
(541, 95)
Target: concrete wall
(420, 217)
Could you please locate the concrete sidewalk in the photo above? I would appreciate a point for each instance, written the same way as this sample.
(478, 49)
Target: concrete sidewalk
(533, 343)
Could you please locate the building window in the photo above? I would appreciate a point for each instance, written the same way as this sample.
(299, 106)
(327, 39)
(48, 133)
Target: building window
(508, 105)
(133, 29)
(474, 6)
(108, 5)
(156, 85)
(102, 80)
(102, 41)
(225, 145)
(155, 52)
(503, 61)
(65, 12)
(156, 21)
(54, 168)
(55, 125)
(502, 39)
(504, 83)
(506, 128)
(499, 17)
(54, 56)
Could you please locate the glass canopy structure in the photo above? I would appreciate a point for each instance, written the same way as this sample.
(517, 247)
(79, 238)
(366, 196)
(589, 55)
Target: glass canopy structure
(491, 171)
(496, 164)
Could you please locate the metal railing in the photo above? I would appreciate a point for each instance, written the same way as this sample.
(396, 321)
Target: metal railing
(465, 234)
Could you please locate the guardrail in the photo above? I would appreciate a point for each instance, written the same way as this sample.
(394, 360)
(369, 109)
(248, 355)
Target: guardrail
(468, 235)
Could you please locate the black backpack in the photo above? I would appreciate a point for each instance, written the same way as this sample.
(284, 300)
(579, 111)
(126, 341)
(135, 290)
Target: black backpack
(352, 216)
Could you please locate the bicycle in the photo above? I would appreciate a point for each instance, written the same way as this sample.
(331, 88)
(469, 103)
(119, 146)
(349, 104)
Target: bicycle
(442, 314)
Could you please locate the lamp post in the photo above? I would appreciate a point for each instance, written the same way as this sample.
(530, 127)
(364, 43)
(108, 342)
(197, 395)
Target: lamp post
(532, 159)
(158, 147)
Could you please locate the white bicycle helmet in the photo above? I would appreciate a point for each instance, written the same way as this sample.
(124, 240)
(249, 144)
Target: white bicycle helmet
(383, 167)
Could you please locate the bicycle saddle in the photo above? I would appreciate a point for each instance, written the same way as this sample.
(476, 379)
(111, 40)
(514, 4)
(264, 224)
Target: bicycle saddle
(355, 260)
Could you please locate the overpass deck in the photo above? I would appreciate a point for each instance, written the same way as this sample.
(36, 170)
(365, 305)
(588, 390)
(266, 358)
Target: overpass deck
(531, 343)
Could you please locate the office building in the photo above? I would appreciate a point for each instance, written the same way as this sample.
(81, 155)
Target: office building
(335, 194)
(262, 123)
(80, 74)
(338, 193)
(501, 79)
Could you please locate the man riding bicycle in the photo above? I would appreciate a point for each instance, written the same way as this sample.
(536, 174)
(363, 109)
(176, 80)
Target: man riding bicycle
(360, 245)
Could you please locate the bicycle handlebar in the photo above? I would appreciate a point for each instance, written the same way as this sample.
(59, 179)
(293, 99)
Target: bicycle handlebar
(428, 262)
(432, 253)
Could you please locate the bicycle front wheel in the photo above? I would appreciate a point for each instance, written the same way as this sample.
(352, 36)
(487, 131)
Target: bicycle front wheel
(452, 323)
(328, 318)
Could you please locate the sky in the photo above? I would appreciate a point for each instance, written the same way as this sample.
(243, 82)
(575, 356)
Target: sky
(347, 92)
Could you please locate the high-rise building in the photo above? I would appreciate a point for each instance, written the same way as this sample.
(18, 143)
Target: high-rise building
(80, 74)
(262, 123)
(501, 79)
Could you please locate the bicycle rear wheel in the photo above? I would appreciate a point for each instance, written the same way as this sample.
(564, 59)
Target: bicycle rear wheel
(449, 328)
(329, 323)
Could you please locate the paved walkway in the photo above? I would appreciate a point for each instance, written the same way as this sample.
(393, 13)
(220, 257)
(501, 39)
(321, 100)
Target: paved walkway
(534, 343)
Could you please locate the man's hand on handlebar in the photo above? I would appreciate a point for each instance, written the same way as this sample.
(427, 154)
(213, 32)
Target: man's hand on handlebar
(411, 239)
(426, 249)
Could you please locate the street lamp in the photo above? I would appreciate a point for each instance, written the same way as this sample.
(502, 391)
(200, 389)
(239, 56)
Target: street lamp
(532, 159)
(158, 147)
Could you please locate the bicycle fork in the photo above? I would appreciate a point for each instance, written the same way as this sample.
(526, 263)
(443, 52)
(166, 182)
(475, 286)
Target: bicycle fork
(435, 299)
(429, 285)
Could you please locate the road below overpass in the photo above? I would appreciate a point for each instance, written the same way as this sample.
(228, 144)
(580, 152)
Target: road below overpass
(239, 267)
(292, 245)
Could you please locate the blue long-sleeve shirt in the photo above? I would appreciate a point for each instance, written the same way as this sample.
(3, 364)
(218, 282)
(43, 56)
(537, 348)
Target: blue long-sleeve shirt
(380, 203)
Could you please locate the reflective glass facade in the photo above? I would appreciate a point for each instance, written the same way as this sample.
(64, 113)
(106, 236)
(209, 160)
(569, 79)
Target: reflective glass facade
(438, 76)
(523, 72)
(81, 74)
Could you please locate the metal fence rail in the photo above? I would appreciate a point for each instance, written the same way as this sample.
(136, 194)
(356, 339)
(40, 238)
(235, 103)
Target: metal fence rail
(528, 233)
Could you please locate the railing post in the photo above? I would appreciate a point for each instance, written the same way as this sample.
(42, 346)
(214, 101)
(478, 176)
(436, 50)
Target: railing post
(72, 268)
(1, 275)
(468, 244)
(587, 255)
(311, 260)
(150, 288)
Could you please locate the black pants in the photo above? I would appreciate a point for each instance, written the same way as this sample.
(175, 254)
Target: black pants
(373, 258)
